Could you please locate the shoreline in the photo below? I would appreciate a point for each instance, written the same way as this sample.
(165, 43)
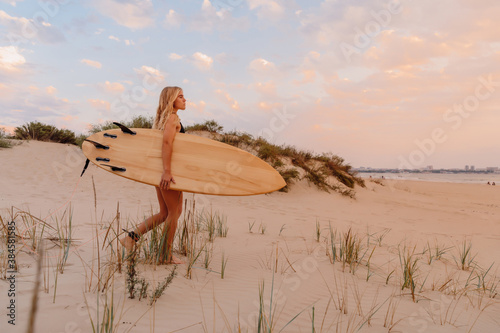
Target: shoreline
(462, 178)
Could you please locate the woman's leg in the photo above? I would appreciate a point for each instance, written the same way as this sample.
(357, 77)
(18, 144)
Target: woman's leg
(148, 223)
(173, 201)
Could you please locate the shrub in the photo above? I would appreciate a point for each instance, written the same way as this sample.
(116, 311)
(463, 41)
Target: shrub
(101, 127)
(210, 125)
(236, 139)
(4, 143)
(268, 152)
(140, 122)
(42, 132)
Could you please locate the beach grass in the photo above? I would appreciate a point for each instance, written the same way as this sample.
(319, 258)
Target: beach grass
(353, 313)
(160, 288)
(464, 257)
(408, 260)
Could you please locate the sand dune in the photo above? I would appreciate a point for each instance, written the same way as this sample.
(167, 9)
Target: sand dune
(294, 268)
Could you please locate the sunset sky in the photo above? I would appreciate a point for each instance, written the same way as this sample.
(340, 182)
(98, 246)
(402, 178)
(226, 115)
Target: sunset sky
(379, 83)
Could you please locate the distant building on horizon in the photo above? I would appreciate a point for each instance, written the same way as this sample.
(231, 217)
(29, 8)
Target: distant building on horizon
(466, 168)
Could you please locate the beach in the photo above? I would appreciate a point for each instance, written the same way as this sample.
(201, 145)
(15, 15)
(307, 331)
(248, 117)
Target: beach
(280, 259)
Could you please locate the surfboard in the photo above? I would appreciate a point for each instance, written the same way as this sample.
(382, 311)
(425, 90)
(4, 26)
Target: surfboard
(199, 165)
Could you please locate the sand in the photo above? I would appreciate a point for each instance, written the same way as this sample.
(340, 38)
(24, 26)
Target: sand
(302, 288)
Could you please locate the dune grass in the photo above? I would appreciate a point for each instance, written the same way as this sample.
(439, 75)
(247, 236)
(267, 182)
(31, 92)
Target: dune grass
(410, 268)
(464, 258)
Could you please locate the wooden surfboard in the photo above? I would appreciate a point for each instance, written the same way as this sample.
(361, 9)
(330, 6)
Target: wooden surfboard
(199, 165)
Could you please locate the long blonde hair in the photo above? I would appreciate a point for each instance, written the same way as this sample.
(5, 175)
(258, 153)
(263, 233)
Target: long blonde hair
(165, 106)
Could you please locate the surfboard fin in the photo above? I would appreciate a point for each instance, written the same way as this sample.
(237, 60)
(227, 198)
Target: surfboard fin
(102, 159)
(124, 128)
(112, 136)
(115, 168)
(97, 144)
(85, 167)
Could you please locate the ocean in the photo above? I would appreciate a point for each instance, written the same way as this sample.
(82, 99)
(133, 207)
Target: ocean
(476, 178)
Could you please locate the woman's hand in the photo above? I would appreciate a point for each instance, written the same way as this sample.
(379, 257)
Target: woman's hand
(166, 180)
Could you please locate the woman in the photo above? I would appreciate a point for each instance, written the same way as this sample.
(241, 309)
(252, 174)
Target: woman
(171, 100)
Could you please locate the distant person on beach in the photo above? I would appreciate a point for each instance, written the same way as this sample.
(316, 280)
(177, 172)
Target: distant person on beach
(171, 100)
(489, 183)
(493, 183)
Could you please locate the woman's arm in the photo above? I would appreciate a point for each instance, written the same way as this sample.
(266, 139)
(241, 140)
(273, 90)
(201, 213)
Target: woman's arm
(167, 146)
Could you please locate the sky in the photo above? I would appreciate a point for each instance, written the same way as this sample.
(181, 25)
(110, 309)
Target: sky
(383, 84)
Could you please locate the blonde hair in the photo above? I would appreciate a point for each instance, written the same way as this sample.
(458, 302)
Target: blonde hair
(165, 106)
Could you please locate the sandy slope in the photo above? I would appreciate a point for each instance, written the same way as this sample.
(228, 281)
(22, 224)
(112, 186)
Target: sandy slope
(40, 177)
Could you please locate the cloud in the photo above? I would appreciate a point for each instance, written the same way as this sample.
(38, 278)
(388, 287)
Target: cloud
(199, 107)
(29, 103)
(262, 66)
(51, 90)
(91, 63)
(266, 106)
(175, 56)
(224, 96)
(11, 59)
(172, 20)
(210, 19)
(127, 42)
(13, 3)
(22, 30)
(99, 104)
(133, 14)
(112, 87)
(202, 61)
(147, 71)
(266, 89)
(267, 9)
(308, 68)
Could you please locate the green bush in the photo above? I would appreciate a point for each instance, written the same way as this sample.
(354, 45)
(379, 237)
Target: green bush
(42, 132)
(210, 126)
(136, 122)
(268, 152)
(141, 122)
(236, 139)
(80, 139)
(4, 143)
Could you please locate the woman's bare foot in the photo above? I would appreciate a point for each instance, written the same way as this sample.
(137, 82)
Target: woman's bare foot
(128, 243)
(176, 261)
(173, 261)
